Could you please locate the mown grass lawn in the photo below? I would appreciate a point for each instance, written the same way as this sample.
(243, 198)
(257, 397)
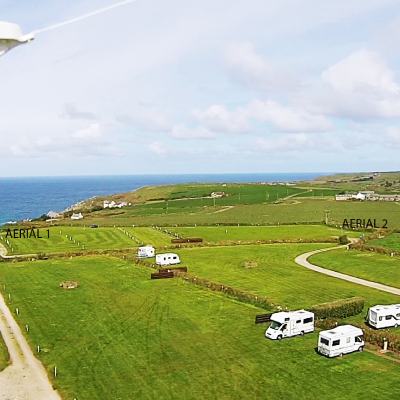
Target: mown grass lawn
(275, 275)
(254, 233)
(4, 358)
(363, 264)
(85, 238)
(391, 241)
(122, 336)
(295, 210)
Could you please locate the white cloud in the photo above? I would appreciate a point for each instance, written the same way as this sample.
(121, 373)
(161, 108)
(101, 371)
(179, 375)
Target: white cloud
(147, 119)
(287, 119)
(285, 143)
(183, 132)
(255, 70)
(393, 136)
(72, 112)
(91, 133)
(217, 118)
(360, 85)
(282, 118)
(158, 148)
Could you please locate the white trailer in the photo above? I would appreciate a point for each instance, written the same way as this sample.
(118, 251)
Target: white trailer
(167, 259)
(384, 316)
(340, 340)
(290, 323)
(146, 252)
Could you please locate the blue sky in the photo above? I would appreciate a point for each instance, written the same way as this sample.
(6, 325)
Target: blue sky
(183, 86)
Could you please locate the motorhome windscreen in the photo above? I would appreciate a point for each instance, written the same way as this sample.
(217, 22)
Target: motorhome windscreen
(275, 325)
(324, 341)
(373, 316)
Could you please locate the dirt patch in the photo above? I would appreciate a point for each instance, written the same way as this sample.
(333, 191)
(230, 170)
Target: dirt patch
(226, 208)
(69, 285)
(250, 264)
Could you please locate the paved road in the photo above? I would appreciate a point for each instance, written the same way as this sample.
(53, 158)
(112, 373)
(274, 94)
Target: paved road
(303, 261)
(25, 378)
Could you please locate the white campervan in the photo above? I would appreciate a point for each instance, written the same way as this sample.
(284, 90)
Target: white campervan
(384, 316)
(290, 323)
(146, 252)
(167, 259)
(340, 340)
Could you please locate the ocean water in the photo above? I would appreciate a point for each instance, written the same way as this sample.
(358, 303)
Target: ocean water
(22, 198)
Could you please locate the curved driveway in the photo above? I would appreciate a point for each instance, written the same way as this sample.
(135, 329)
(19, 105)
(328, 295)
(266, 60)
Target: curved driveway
(303, 261)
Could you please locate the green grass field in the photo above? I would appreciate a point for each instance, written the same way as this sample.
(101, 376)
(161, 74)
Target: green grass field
(122, 336)
(254, 233)
(86, 239)
(276, 275)
(391, 241)
(363, 264)
(3, 354)
(294, 210)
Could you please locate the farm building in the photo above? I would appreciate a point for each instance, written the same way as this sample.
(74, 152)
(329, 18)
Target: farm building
(76, 216)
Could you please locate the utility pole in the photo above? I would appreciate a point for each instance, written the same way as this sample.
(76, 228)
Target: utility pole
(327, 212)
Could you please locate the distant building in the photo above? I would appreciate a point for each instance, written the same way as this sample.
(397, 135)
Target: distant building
(53, 214)
(77, 216)
(344, 197)
(367, 195)
(216, 195)
(113, 204)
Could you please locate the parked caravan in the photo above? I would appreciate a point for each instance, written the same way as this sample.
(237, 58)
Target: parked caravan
(341, 340)
(167, 259)
(146, 252)
(290, 323)
(381, 316)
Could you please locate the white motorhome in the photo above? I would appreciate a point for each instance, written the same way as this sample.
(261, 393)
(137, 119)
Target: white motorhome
(146, 252)
(167, 259)
(290, 323)
(340, 340)
(381, 316)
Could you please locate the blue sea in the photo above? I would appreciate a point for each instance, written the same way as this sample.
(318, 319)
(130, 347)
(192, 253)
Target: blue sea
(23, 198)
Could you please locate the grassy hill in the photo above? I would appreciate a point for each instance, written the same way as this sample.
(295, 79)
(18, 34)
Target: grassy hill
(122, 336)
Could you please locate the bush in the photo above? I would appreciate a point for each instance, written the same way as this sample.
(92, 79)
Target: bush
(339, 309)
(344, 239)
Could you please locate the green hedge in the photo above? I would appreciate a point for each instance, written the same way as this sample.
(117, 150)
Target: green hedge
(236, 294)
(377, 337)
(339, 309)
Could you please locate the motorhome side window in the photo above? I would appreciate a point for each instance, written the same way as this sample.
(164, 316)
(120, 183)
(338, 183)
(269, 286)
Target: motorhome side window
(388, 317)
(299, 321)
(308, 320)
(380, 318)
(325, 341)
(336, 342)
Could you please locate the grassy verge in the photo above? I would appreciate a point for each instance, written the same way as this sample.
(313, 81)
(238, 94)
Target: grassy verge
(391, 241)
(367, 265)
(4, 357)
(122, 336)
